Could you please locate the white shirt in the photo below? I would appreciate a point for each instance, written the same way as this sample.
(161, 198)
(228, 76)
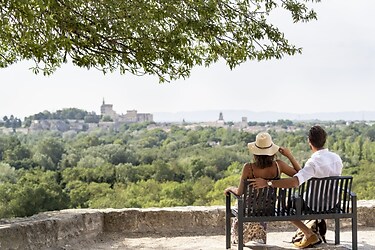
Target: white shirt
(322, 163)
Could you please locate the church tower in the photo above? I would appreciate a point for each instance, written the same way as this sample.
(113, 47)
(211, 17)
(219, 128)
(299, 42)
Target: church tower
(221, 118)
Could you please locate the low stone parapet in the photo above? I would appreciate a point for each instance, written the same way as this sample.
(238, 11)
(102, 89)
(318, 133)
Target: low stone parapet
(166, 221)
(46, 230)
(50, 229)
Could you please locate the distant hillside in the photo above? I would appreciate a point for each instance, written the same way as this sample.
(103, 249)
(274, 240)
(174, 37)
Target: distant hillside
(236, 115)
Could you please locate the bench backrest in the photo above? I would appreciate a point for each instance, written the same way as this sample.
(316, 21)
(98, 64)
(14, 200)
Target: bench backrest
(320, 195)
(325, 195)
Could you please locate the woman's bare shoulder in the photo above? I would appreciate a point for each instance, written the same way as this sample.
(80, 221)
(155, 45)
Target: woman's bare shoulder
(281, 163)
(247, 165)
(247, 168)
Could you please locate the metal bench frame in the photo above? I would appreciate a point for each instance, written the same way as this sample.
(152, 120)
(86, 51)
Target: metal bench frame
(312, 200)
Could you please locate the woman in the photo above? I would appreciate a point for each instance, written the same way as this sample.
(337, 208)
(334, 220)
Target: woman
(265, 166)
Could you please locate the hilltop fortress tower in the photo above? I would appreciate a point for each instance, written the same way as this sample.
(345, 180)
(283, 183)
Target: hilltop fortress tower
(107, 110)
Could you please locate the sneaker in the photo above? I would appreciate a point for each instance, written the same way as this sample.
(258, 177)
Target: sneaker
(304, 243)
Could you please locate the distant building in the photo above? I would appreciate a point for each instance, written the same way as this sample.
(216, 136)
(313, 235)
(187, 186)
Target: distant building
(243, 123)
(58, 125)
(221, 118)
(218, 123)
(131, 116)
(91, 121)
(107, 110)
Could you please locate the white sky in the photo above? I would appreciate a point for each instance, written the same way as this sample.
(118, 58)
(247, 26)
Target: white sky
(336, 72)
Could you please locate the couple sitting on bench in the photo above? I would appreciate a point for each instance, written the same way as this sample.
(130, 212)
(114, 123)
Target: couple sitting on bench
(266, 170)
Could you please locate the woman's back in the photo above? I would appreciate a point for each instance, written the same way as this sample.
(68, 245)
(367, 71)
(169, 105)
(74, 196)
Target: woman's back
(271, 172)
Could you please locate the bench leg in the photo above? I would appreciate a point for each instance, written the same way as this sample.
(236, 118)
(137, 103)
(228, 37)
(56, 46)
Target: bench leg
(354, 223)
(354, 233)
(337, 231)
(240, 235)
(227, 230)
(228, 216)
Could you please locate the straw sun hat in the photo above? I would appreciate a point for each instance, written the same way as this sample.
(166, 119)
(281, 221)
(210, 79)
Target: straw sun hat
(263, 145)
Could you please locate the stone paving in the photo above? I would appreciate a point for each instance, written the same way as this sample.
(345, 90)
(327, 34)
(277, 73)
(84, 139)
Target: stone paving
(275, 241)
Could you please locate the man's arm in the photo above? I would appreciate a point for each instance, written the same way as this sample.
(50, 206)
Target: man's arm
(291, 182)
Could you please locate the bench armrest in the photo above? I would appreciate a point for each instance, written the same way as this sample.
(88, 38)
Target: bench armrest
(228, 200)
(235, 196)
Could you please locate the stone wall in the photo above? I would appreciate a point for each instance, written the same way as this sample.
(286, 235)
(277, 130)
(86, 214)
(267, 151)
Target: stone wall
(50, 229)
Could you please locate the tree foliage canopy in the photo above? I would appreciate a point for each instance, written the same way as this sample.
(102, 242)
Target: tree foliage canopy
(166, 38)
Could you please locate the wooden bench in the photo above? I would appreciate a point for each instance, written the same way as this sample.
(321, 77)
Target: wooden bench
(318, 198)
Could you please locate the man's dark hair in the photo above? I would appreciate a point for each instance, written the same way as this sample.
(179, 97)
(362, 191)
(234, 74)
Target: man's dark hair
(317, 136)
(264, 161)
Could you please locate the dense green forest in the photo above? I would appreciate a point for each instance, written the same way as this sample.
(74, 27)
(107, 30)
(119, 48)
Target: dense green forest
(155, 165)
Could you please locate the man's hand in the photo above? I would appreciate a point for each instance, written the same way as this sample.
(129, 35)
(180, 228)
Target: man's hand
(258, 183)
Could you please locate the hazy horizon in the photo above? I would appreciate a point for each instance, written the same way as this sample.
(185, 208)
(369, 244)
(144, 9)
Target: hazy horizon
(236, 116)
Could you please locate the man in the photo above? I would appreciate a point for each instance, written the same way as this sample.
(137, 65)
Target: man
(322, 163)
